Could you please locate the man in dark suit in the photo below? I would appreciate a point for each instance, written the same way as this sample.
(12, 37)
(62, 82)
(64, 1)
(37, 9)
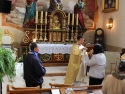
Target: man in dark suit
(33, 69)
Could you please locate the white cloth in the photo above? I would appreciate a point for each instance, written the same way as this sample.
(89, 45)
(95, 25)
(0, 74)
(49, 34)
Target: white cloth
(82, 69)
(55, 48)
(97, 65)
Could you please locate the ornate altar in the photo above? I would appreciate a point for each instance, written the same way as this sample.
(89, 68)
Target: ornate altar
(55, 27)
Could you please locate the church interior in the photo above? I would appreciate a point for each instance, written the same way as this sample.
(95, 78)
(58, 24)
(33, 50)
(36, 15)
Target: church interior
(55, 27)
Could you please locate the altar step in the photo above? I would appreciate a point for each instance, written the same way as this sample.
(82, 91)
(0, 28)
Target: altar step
(55, 74)
(54, 64)
(56, 71)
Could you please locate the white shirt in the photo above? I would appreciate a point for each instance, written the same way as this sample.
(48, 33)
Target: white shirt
(97, 65)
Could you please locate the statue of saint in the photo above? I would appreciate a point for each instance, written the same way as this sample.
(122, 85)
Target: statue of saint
(78, 9)
(55, 4)
(29, 19)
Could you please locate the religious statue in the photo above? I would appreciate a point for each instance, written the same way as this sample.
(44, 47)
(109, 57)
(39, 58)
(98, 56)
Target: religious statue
(55, 4)
(56, 24)
(29, 19)
(78, 9)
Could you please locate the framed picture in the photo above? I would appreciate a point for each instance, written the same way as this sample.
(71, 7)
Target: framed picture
(110, 5)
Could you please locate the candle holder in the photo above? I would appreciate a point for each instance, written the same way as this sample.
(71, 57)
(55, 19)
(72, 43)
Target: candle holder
(45, 38)
(67, 35)
(41, 37)
(72, 39)
(35, 33)
(76, 33)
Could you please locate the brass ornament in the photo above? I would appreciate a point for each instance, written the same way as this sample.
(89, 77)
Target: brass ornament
(26, 38)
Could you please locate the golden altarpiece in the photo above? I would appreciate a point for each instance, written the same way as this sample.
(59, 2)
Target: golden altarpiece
(55, 27)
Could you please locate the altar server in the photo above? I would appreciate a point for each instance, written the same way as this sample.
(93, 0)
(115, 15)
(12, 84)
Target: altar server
(75, 70)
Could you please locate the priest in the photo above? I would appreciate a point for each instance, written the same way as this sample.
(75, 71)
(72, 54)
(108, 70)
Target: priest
(76, 66)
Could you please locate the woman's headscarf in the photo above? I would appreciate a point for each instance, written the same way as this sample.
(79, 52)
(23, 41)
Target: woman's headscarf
(98, 49)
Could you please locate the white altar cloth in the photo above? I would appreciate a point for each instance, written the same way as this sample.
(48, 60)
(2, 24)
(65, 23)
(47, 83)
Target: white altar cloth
(55, 48)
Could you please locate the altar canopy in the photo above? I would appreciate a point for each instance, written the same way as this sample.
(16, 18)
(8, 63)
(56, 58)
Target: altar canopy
(55, 48)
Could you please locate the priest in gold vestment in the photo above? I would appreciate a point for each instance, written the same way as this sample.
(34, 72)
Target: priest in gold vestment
(75, 69)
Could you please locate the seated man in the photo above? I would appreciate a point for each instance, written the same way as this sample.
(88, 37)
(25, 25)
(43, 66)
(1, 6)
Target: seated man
(115, 83)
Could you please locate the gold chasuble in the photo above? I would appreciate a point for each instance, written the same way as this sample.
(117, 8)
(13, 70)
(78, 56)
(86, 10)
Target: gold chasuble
(73, 65)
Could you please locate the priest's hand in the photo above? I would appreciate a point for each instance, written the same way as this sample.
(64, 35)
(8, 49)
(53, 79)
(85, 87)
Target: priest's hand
(84, 48)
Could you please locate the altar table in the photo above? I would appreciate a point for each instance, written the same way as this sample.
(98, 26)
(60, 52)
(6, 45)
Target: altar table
(55, 48)
(57, 54)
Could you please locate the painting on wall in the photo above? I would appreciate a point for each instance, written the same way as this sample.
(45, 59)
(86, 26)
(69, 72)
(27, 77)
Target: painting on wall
(109, 5)
(17, 15)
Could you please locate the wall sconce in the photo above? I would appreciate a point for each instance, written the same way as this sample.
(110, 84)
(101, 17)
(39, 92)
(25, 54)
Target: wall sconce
(110, 23)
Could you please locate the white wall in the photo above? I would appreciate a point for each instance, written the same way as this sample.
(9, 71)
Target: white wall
(18, 35)
(115, 36)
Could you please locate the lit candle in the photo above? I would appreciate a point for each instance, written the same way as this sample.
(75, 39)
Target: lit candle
(34, 40)
(72, 19)
(76, 19)
(41, 16)
(68, 18)
(46, 17)
(36, 20)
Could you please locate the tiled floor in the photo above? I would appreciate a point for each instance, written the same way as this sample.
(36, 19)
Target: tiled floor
(19, 82)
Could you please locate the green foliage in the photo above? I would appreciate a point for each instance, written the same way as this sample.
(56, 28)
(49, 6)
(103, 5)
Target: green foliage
(7, 64)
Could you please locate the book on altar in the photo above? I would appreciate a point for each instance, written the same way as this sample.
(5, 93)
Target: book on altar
(55, 91)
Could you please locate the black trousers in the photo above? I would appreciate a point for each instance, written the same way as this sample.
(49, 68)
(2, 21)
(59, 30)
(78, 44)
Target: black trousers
(30, 84)
(95, 81)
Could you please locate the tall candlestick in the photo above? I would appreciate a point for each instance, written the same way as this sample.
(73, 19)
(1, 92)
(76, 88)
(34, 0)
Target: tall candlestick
(68, 18)
(36, 19)
(46, 17)
(41, 17)
(76, 19)
(72, 19)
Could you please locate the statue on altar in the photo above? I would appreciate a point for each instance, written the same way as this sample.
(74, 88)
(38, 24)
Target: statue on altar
(29, 19)
(56, 23)
(55, 4)
(78, 9)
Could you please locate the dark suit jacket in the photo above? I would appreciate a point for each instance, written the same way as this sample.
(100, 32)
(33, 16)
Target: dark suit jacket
(33, 69)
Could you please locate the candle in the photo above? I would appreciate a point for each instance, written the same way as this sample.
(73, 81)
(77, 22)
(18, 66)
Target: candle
(41, 16)
(68, 18)
(72, 19)
(36, 20)
(76, 19)
(34, 40)
(46, 17)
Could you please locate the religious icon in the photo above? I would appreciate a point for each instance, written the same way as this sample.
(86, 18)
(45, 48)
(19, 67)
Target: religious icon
(56, 24)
